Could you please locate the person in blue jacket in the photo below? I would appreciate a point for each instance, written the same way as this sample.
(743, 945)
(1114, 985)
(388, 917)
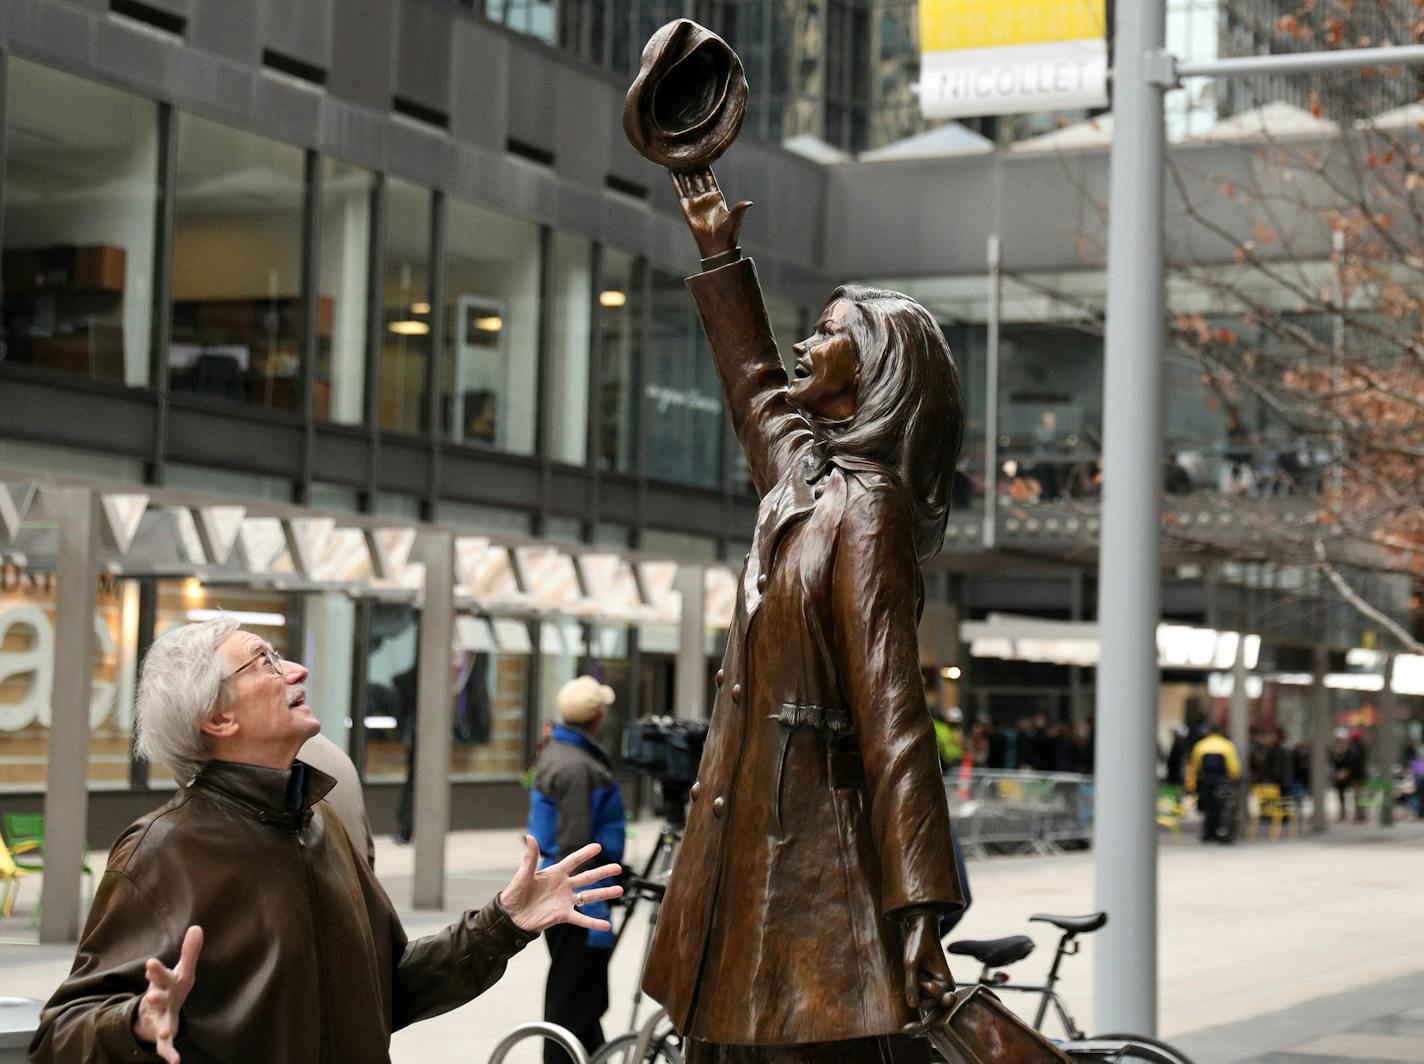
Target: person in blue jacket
(575, 801)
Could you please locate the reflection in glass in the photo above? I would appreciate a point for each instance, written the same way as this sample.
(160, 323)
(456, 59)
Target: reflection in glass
(405, 333)
(571, 319)
(341, 309)
(81, 176)
(619, 312)
(237, 266)
(390, 694)
(682, 403)
(490, 353)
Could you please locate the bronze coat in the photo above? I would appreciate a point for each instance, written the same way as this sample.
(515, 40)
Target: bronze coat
(304, 959)
(820, 811)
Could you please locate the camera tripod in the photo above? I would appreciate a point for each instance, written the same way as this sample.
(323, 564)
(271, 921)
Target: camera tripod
(650, 884)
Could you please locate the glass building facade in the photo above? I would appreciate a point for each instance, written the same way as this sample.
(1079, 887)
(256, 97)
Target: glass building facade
(164, 253)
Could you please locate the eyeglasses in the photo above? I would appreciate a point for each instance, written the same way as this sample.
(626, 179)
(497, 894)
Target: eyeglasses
(273, 659)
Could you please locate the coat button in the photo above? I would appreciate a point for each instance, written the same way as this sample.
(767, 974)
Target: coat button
(736, 691)
(696, 788)
(718, 804)
(761, 582)
(720, 678)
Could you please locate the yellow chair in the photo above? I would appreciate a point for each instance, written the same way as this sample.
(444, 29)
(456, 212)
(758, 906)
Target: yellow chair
(1273, 806)
(1170, 808)
(1009, 790)
(10, 876)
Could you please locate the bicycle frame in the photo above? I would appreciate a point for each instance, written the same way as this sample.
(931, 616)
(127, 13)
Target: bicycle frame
(1048, 996)
(1067, 947)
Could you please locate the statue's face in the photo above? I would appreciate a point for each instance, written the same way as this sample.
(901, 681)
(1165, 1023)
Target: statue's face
(827, 366)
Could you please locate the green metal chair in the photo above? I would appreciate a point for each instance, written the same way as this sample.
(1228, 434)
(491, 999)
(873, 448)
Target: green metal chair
(25, 837)
(1375, 793)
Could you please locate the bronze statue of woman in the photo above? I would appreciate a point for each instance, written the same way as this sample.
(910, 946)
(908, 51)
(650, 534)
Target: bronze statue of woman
(800, 923)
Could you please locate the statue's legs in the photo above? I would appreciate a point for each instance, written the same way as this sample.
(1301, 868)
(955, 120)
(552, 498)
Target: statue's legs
(887, 1049)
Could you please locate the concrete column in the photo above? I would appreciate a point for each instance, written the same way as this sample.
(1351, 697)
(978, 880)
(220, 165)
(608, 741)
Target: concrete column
(1386, 743)
(66, 792)
(330, 639)
(690, 671)
(1240, 723)
(435, 708)
(1129, 587)
(1320, 728)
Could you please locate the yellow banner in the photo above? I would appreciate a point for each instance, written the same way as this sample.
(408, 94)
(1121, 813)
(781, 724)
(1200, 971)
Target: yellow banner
(953, 25)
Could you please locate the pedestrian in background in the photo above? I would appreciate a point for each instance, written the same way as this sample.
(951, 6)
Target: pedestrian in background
(1214, 767)
(575, 801)
(949, 735)
(1414, 758)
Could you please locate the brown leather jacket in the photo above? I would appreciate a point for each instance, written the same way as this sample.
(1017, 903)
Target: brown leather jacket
(304, 960)
(820, 811)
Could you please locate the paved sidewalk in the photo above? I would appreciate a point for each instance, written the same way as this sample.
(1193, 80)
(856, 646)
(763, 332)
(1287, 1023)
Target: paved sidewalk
(1294, 952)
(1381, 1024)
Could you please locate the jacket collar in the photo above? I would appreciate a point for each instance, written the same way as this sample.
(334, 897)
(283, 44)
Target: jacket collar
(262, 792)
(563, 733)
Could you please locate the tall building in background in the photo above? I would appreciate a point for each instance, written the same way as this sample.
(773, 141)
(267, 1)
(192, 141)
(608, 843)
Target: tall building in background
(843, 73)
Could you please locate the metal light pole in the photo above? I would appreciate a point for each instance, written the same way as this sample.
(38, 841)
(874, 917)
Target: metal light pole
(1125, 836)
(991, 396)
(1125, 980)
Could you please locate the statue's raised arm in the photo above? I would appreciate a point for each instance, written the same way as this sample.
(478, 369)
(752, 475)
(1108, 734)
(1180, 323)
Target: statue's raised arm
(683, 111)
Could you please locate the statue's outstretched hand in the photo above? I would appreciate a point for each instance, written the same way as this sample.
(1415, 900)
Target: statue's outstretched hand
(161, 1005)
(715, 226)
(929, 984)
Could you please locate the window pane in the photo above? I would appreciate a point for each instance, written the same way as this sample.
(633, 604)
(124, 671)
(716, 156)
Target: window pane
(572, 313)
(390, 699)
(491, 693)
(27, 675)
(619, 313)
(341, 311)
(682, 407)
(491, 349)
(405, 347)
(81, 174)
(237, 266)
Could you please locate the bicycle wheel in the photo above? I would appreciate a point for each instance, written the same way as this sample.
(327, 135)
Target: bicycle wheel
(620, 1050)
(1124, 1049)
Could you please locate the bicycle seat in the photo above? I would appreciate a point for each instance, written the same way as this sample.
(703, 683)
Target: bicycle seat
(994, 952)
(1078, 925)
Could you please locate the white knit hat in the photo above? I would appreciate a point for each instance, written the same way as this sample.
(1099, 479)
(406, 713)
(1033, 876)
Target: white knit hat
(581, 699)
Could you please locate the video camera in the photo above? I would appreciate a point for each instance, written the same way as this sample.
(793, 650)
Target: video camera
(669, 751)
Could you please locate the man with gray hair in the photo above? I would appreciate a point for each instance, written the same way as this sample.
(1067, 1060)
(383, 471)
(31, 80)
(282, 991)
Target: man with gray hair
(305, 957)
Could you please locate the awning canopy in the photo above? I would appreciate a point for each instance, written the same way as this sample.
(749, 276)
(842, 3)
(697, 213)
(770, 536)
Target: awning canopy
(155, 532)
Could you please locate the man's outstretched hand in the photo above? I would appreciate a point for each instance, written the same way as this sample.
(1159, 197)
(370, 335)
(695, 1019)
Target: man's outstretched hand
(161, 1003)
(536, 900)
(715, 226)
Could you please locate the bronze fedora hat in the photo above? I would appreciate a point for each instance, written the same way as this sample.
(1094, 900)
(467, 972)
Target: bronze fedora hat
(687, 103)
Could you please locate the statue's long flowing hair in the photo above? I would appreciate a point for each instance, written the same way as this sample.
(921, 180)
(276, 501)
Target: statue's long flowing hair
(909, 410)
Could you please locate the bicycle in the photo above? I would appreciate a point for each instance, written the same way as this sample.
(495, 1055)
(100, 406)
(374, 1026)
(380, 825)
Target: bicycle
(998, 953)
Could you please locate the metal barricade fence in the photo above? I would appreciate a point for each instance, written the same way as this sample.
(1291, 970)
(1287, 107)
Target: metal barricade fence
(998, 811)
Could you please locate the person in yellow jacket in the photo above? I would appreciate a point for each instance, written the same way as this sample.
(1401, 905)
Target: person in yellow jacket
(1214, 767)
(949, 735)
